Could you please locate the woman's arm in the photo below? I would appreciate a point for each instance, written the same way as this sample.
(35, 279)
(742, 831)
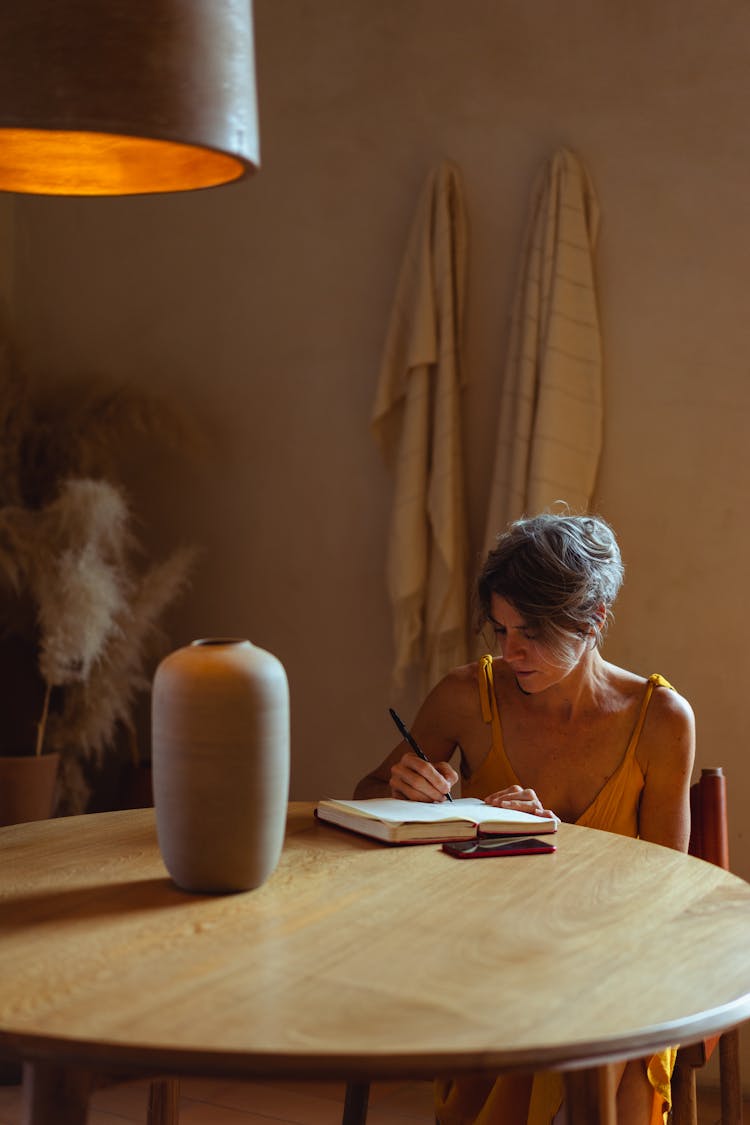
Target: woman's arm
(436, 730)
(667, 752)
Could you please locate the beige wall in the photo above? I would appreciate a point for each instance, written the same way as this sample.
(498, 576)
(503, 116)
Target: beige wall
(263, 308)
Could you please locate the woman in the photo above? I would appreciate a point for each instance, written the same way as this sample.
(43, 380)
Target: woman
(550, 725)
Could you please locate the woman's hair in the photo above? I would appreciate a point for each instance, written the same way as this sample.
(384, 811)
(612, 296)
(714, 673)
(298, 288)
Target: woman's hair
(558, 571)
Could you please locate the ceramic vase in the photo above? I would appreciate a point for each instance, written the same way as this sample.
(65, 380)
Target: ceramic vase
(220, 759)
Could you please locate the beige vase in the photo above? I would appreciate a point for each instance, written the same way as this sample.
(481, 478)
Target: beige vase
(220, 759)
(28, 787)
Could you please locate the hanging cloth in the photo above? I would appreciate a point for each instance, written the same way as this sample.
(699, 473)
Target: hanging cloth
(416, 419)
(550, 426)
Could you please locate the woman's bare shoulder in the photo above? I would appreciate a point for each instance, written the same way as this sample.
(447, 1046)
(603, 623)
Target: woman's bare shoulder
(668, 736)
(670, 707)
(454, 696)
(667, 708)
(666, 700)
(622, 680)
(632, 684)
(459, 682)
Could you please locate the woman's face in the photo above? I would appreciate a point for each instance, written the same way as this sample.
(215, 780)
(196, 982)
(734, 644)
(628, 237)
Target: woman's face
(534, 665)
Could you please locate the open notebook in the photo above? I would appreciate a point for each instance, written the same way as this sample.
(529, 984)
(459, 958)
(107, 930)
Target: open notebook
(415, 822)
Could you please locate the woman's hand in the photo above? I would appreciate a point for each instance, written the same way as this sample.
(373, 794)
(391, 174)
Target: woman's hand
(514, 797)
(415, 780)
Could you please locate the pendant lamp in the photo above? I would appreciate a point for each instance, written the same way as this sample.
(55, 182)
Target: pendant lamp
(126, 97)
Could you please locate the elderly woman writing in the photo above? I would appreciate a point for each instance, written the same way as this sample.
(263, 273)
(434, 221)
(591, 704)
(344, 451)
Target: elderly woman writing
(550, 725)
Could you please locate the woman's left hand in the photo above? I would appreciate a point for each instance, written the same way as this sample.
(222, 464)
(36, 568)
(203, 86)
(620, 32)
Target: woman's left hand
(514, 797)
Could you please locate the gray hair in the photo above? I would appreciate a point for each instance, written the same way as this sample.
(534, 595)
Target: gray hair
(558, 571)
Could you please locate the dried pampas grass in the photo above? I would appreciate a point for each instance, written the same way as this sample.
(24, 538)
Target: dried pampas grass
(97, 614)
(94, 706)
(79, 578)
(72, 578)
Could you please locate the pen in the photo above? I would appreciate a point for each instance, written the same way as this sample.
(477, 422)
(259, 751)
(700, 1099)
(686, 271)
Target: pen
(411, 740)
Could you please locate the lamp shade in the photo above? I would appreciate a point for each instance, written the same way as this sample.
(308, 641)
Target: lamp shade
(125, 97)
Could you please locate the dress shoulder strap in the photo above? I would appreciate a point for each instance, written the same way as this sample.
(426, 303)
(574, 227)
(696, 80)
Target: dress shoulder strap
(488, 704)
(654, 680)
(486, 688)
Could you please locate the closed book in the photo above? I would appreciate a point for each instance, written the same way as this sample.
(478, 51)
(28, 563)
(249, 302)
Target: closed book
(417, 822)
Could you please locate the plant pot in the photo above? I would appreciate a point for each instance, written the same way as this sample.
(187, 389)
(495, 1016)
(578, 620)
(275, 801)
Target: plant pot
(28, 788)
(220, 758)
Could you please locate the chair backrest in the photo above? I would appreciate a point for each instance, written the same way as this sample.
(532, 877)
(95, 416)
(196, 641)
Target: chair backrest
(709, 841)
(709, 838)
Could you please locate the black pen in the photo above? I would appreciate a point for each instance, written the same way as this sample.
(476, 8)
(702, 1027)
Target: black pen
(411, 740)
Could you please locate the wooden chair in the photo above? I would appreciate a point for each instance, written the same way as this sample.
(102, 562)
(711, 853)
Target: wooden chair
(709, 841)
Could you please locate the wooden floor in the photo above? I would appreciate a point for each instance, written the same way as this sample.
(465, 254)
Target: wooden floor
(215, 1102)
(211, 1102)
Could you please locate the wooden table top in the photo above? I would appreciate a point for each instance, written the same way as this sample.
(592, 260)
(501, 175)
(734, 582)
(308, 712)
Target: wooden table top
(357, 959)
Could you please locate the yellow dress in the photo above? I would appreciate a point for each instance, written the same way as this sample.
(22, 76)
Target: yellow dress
(526, 1099)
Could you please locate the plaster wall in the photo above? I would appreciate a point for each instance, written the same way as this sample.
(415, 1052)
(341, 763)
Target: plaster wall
(262, 308)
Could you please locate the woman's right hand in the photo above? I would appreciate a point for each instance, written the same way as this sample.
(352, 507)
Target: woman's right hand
(413, 779)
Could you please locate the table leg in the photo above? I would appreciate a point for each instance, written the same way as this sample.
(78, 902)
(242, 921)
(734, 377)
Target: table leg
(731, 1084)
(355, 1103)
(164, 1102)
(55, 1095)
(591, 1096)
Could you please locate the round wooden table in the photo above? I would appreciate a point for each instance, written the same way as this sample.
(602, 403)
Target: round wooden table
(357, 960)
